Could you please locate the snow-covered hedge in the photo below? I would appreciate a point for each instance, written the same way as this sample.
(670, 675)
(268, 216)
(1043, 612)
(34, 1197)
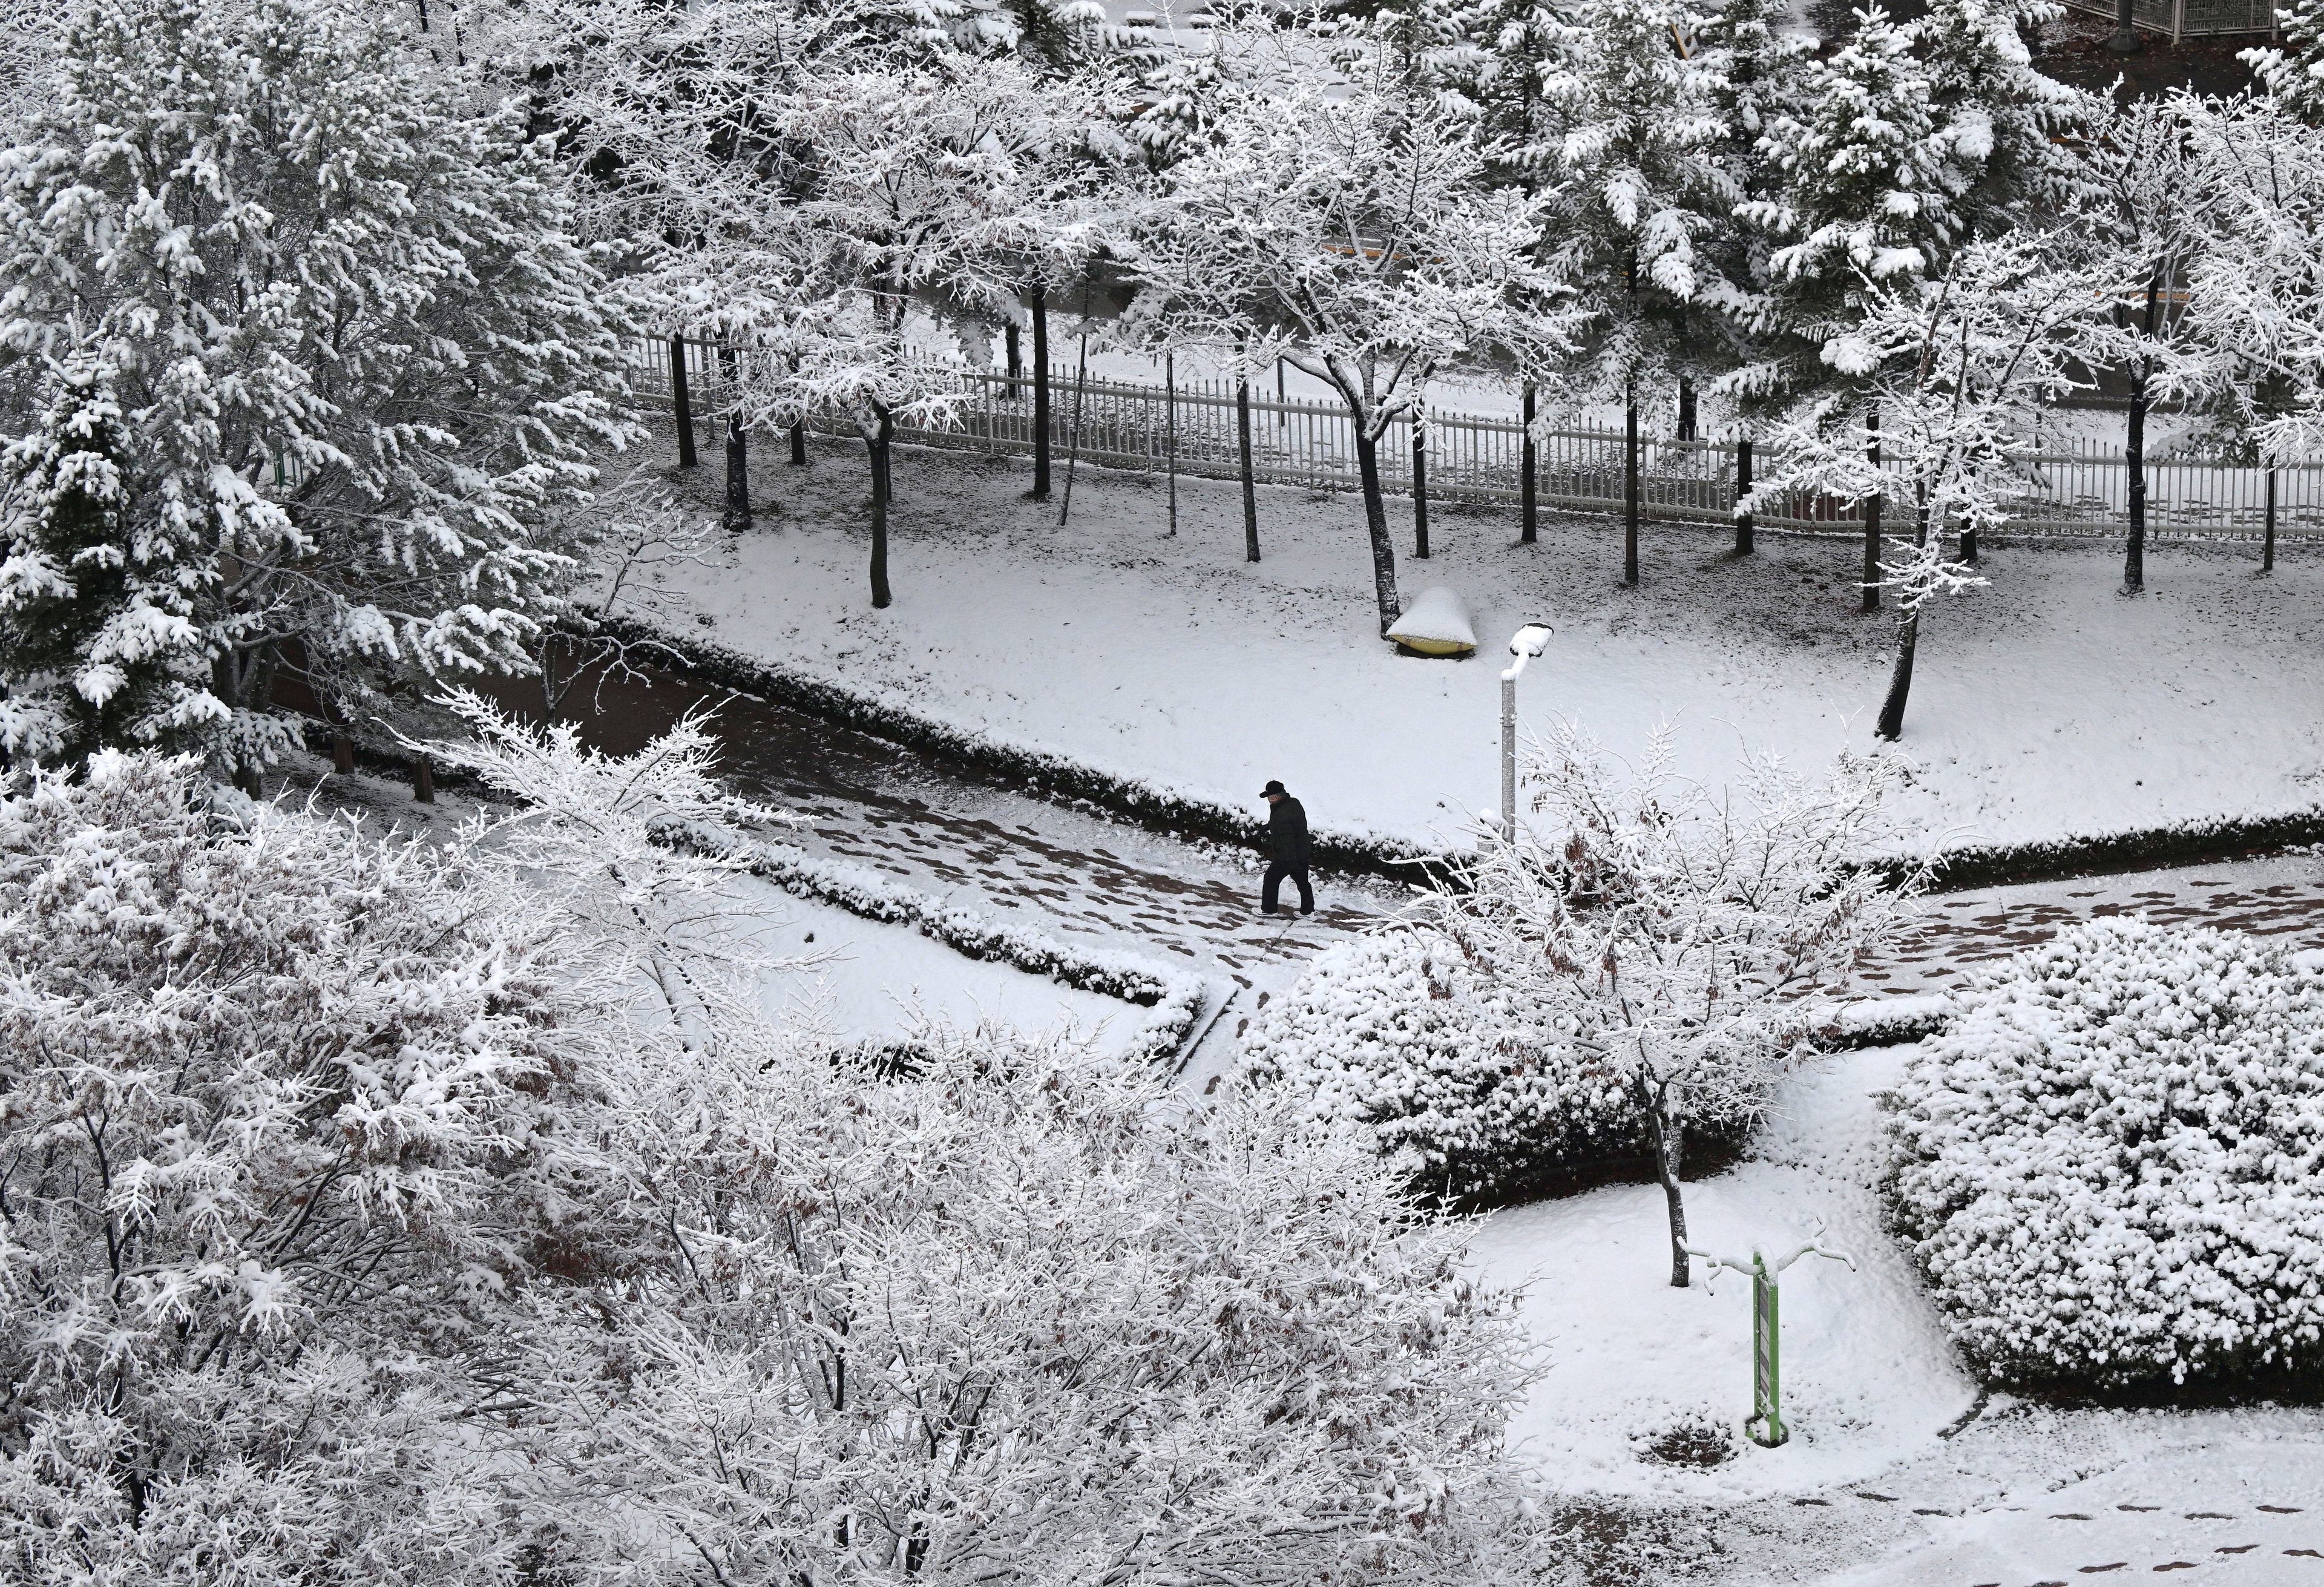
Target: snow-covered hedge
(1480, 1096)
(1174, 997)
(2111, 1166)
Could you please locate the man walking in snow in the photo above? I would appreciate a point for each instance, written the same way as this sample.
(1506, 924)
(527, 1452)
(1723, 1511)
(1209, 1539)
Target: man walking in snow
(1286, 834)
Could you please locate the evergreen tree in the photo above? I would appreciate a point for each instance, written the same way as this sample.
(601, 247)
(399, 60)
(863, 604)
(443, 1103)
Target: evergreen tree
(85, 638)
(360, 360)
(1756, 72)
(1640, 196)
(2292, 71)
(1864, 203)
(2002, 120)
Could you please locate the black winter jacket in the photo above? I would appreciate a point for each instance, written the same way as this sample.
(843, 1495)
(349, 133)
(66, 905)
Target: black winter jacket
(1287, 833)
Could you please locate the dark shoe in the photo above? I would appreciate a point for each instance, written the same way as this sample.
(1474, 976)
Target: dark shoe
(1308, 910)
(1269, 909)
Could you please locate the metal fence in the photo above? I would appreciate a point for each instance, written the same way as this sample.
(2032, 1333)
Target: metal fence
(2191, 19)
(2078, 490)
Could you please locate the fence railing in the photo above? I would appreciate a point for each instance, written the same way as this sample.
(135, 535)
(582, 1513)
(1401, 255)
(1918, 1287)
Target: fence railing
(2191, 19)
(2077, 489)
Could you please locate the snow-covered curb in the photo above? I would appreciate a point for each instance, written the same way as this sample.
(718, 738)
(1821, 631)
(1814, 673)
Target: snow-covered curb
(1174, 997)
(1053, 773)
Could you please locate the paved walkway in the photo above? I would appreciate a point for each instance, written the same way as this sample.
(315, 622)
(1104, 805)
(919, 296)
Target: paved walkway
(970, 835)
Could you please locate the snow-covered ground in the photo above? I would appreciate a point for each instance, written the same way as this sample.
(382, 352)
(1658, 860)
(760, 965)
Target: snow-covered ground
(1868, 1378)
(875, 981)
(1896, 1475)
(2042, 706)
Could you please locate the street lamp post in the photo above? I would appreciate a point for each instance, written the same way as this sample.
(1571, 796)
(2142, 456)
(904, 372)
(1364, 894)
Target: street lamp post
(1525, 645)
(2125, 40)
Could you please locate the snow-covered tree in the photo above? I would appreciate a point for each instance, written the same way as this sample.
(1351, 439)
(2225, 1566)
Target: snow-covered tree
(359, 358)
(281, 1134)
(2256, 293)
(2147, 184)
(1640, 195)
(917, 189)
(1755, 67)
(31, 34)
(1680, 935)
(85, 637)
(1008, 1317)
(1863, 199)
(391, 1209)
(2005, 123)
(1350, 233)
(2292, 71)
(1963, 365)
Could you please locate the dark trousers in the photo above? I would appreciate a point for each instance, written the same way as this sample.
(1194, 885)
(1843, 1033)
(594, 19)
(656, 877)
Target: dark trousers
(1274, 885)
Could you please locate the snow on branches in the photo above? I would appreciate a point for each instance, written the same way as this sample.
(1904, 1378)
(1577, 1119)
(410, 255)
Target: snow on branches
(1646, 955)
(359, 358)
(1346, 228)
(376, 1208)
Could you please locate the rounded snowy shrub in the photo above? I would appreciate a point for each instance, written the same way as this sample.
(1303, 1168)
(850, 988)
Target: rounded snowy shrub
(1483, 1095)
(2111, 1166)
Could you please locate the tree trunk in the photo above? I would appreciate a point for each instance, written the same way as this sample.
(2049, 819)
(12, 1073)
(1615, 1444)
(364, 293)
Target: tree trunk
(1528, 512)
(1040, 491)
(737, 518)
(798, 443)
(1249, 481)
(343, 752)
(423, 781)
(2134, 457)
(2268, 527)
(1170, 433)
(1871, 601)
(878, 443)
(1745, 529)
(1891, 725)
(1016, 347)
(681, 405)
(1667, 1139)
(1630, 485)
(1685, 408)
(2133, 556)
(1073, 439)
(1419, 488)
(1376, 525)
(1969, 544)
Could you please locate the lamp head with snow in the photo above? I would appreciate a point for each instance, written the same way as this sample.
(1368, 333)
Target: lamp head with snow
(1531, 640)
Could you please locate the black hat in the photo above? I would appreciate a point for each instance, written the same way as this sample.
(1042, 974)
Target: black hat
(1275, 788)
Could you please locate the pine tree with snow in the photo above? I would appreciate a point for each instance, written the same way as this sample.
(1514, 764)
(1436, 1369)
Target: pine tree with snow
(2005, 123)
(2292, 70)
(86, 640)
(1640, 196)
(1863, 199)
(360, 359)
(1756, 72)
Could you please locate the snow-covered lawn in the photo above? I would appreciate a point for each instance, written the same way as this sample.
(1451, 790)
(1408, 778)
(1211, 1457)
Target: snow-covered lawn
(875, 981)
(1896, 1475)
(2043, 706)
(1868, 1378)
